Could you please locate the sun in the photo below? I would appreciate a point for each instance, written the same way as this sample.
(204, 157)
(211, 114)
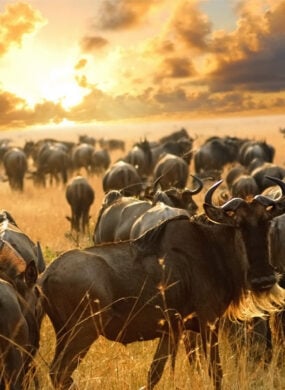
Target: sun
(61, 87)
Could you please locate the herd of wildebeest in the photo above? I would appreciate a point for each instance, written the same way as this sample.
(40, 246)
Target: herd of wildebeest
(160, 267)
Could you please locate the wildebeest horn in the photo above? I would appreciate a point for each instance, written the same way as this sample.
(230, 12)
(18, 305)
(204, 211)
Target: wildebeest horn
(198, 188)
(211, 190)
(279, 182)
(232, 204)
(265, 200)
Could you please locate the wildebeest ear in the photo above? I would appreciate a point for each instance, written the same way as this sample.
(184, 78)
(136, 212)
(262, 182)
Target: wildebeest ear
(31, 273)
(218, 215)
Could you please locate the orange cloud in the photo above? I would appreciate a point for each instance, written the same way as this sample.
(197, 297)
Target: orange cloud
(18, 20)
(191, 25)
(92, 43)
(14, 112)
(251, 58)
(122, 14)
(80, 64)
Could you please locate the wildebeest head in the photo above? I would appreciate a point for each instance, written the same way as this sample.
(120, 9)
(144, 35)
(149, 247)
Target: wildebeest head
(252, 219)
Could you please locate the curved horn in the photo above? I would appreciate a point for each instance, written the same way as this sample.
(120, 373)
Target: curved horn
(279, 182)
(198, 188)
(209, 193)
(231, 205)
(267, 201)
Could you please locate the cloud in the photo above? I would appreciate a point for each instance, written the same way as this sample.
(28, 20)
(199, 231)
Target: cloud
(18, 20)
(191, 25)
(176, 67)
(122, 14)
(251, 58)
(92, 43)
(14, 112)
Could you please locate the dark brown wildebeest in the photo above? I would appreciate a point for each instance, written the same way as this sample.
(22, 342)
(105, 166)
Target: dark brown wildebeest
(112, 144)
(81, 157)
(100, 161)
(251, 150)
(53, 160)
(10, 232)
(140, 156)
(16, 165)
(80, 195)
(171, 171)
(118, 214)
(261, 173)
(19, 316)
(215, 153)
(115, 219)
(124, 177)
(184, 274)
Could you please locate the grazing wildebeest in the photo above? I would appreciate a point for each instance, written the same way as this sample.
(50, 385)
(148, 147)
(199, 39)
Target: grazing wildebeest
(184, 274)
(19, 316)
(251, 150)
(171, 171)
(80, 195)
(11, 233)
(112, 144)
(215, 153)
(16, 165)
(244, 186)
(100, 161)
(81, 157)
(261, 173)
(124, 177)
(52, 159)
(140, 156)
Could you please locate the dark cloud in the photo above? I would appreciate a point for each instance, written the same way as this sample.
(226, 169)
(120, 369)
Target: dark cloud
(122, 14)
(18, 20)
(92, 43)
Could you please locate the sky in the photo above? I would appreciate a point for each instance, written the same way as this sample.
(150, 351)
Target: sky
(92, 61)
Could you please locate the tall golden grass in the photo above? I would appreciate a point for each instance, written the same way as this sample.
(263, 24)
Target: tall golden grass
(40, 213)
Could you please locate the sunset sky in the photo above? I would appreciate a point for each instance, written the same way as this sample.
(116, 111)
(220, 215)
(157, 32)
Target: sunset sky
(71, 61)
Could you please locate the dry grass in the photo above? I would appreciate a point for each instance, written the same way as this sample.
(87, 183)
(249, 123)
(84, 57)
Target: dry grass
(40, 213)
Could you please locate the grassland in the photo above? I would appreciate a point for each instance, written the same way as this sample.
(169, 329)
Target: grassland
(40, 213)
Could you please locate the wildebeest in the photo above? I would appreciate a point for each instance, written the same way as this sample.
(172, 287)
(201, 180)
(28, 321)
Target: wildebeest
(124, 177)
(19, 327)
(80, 195)
(215, 153)
(171, 171)
(261, 173)
(140, 156)
(112, 144)
(100, 161)
(81, 157)
(119, 213)
(116, 218)
(11, 233)
(53, 160)
(251, 150)
(16, 165)
(184, 274)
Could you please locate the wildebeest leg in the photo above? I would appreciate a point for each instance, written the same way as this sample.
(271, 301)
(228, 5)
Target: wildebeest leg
(71, 348)
(210, 337)
(167, 345)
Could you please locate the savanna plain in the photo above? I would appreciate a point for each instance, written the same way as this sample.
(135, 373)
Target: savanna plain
(41, 214)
